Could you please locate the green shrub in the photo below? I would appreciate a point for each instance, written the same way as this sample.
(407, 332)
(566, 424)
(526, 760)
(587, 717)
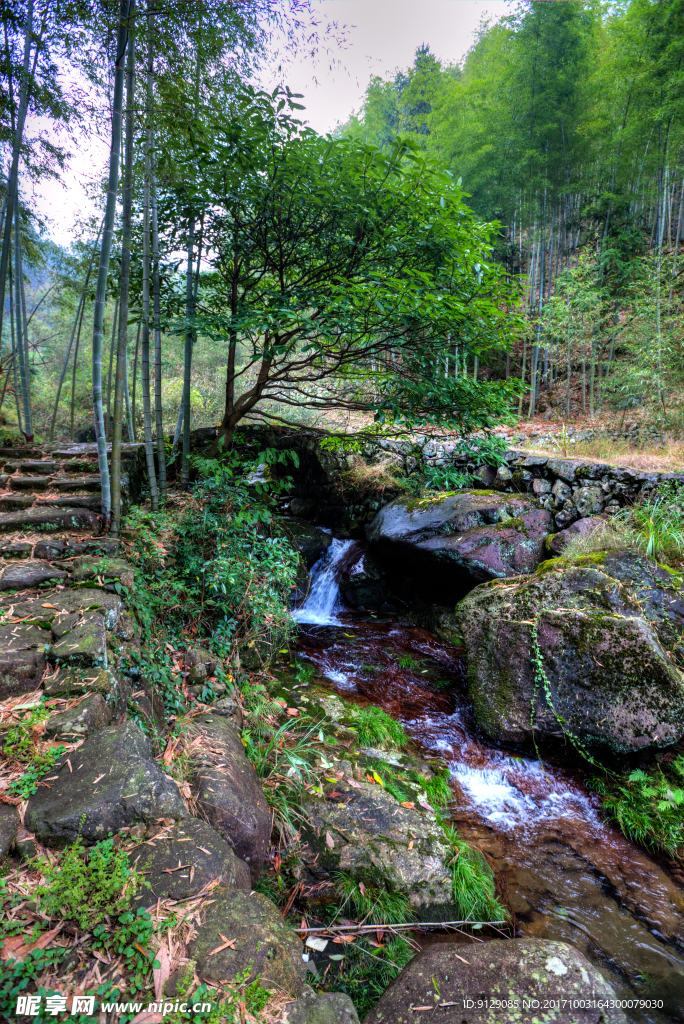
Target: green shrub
(85, 885)
(648, 806)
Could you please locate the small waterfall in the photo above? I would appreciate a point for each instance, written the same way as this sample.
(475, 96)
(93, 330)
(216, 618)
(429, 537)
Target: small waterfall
(324, 596)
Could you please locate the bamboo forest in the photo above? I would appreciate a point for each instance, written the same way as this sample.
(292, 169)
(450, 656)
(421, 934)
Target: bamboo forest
(342, 511)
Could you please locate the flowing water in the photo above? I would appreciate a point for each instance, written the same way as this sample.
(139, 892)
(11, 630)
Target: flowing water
(565, 872)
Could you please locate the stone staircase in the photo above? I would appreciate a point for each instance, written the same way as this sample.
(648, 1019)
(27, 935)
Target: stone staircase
(54, 487)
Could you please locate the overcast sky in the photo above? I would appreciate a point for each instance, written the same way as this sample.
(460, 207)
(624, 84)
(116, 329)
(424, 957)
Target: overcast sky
(382, 35)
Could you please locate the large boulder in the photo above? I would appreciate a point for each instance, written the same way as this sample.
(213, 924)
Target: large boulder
(445, 545)
(556, 543)
(178, 862)
(363, 831)
(110, 783)
(595, 670)
(487, 984)
(244, 934)
(227, 790)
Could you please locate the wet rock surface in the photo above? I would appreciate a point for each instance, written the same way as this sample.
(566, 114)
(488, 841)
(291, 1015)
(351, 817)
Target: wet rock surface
(364, 831)
(552, 973)
(178, 862)
(259, 943)
(310, 541)
(227, 789)
(606, 677)
(112, 783)
(450, 543)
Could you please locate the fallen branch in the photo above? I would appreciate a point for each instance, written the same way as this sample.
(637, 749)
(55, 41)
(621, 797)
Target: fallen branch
(403, 926)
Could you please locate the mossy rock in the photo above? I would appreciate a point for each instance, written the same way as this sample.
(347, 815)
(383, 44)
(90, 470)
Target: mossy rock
(442, 546)
(494, 978)
(602, 677)
(261, 944)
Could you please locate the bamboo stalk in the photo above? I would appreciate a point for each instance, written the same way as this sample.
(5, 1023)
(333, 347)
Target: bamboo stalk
(124, 288)
(125, 11)
(147, 408)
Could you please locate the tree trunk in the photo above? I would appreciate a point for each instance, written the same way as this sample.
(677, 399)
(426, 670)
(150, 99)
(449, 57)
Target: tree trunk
(13, 177)
(187, 364)
(81, 303)
(112, 346)
(73, 372)
(129, 418)
(20, 332)
(159, 412)
(147, 408)
(126, 11)
(124, 287)
(135, 375)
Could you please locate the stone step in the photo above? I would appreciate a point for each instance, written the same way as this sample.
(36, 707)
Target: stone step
(92, 501)
(49, 520)
(78, 483)
(43, 468)
(12, 502)
(29, 483)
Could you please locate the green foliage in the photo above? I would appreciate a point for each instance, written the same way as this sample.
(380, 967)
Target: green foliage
(369, 904)
(128, 938)
(474, 891)
(366, 971)
(656, 524)
(22, 744)
(85, 885)
(437, 788)
(648, 805)
(446, 478)
(237, 568)
(378, 729)
(285, 762)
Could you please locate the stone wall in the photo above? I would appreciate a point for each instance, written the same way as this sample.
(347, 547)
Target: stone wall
(570, 489)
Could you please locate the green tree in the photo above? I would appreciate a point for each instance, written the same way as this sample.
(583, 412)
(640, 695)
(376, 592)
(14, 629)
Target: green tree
(342, 274)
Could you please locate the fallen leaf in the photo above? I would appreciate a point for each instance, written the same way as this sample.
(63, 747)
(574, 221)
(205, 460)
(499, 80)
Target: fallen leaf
(354, 784)
(329, 841)
(425, 805)
(378, 780)
(208, 852)
(50, 606)
(292, 712)
(148, 1018)
(362, 888)
(161, 974)
(226, 943)
(99, 777)
(410, 845)
(344, 939)
(461, 958)
(15, 947)
(408, 803)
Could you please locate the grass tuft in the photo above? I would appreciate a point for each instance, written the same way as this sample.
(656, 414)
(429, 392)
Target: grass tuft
(378, 729)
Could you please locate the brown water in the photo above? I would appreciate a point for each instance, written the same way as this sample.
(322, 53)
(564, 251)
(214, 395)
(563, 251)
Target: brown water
(565, 871)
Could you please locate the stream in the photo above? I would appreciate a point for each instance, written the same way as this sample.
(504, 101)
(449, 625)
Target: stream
(565, 871)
